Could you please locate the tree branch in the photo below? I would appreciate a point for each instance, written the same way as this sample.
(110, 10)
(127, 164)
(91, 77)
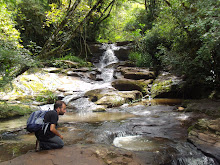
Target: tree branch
(47, 45)
(60, 49)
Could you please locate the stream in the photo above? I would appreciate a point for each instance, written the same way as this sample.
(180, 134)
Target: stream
(157, 133)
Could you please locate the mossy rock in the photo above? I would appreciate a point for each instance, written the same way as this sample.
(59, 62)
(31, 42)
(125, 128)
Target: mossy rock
(205, 135)
(159, 88)
(129, 85)
(12, 110)
(167, 86)
(111, 97)
(34, 84)
(111, 101)
(97, 94)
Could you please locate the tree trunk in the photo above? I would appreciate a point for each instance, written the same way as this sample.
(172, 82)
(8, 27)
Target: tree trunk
(53, 37)
(47, 52)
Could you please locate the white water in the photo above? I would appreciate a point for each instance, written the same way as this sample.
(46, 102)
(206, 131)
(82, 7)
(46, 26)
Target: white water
(135, 143)
(107, 59)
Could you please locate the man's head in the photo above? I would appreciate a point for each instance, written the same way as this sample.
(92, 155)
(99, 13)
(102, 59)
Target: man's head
(60, 107)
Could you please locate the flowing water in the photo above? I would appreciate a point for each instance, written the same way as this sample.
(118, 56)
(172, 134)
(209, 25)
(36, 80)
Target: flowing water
(157, 133)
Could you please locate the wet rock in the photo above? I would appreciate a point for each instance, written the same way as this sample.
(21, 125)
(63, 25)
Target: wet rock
(78, 154)
(129, 85)
(111, 101)
(207, 106)
(74, 74)
(119, 98)
(205, 135)
(123, 52)
(33, 84)
(99, 108)
(86, 74)
(95, 75)
(135, 73)
(167, 85)
(126, 85)
(112, 97)
(96, 94)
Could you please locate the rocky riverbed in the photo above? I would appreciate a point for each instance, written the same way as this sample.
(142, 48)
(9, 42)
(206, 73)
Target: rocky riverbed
(117, 114)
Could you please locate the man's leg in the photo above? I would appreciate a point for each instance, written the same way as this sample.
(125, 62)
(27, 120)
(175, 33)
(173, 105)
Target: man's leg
(52, 143)
(37, 146)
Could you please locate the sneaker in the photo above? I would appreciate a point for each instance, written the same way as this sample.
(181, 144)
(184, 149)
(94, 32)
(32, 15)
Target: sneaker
(37, 146)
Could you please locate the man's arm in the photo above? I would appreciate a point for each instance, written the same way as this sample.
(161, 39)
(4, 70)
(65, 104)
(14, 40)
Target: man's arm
(54, 130)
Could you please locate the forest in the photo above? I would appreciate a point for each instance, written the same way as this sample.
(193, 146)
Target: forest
(181, 36)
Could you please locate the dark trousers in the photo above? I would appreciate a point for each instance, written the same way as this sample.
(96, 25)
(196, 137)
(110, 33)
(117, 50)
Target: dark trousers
(52, 143)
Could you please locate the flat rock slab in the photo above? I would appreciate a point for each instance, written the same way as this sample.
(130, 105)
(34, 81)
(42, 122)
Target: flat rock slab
(205, 136)
(78, 155)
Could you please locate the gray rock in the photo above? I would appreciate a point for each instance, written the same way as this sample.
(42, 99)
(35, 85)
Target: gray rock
(205, 135)
(77, 154)
(136, 73)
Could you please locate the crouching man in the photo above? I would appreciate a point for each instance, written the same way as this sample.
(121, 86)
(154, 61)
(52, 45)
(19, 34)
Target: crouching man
(48, 137)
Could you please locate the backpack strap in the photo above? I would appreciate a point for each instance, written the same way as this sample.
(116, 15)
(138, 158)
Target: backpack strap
(45, 125)
(45, 128)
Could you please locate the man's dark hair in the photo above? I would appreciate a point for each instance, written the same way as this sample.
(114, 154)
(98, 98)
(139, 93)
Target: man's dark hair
(58, 104)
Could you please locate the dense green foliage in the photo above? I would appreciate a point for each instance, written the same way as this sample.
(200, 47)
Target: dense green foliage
(13, 57)
(185, 38)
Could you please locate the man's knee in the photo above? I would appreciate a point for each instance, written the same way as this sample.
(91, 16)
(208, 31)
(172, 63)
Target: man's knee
(60, 144)
(58, 141)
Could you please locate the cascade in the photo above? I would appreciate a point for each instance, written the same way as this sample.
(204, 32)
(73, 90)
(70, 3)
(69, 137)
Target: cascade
(106, 60)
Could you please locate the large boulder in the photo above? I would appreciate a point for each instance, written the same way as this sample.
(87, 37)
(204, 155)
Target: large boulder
(111, 97)
(123, 52)
(167, 85)
(135, 73)
(42, 85)
(129, 85)
(205, 135)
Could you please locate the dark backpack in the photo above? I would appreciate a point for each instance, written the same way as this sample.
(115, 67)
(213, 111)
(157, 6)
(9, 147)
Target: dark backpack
(36, 120)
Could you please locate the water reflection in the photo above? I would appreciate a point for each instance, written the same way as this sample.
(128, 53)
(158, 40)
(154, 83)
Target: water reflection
(164, 101)
(94, 117)
(13, 123)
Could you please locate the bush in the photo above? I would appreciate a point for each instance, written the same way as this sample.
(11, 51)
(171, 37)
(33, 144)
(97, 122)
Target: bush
(48, 97)
(140, 60)
(185, 39)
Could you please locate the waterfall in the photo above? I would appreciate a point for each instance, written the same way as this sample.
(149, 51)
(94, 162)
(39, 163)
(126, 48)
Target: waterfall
(108, 56)
(106, 60)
